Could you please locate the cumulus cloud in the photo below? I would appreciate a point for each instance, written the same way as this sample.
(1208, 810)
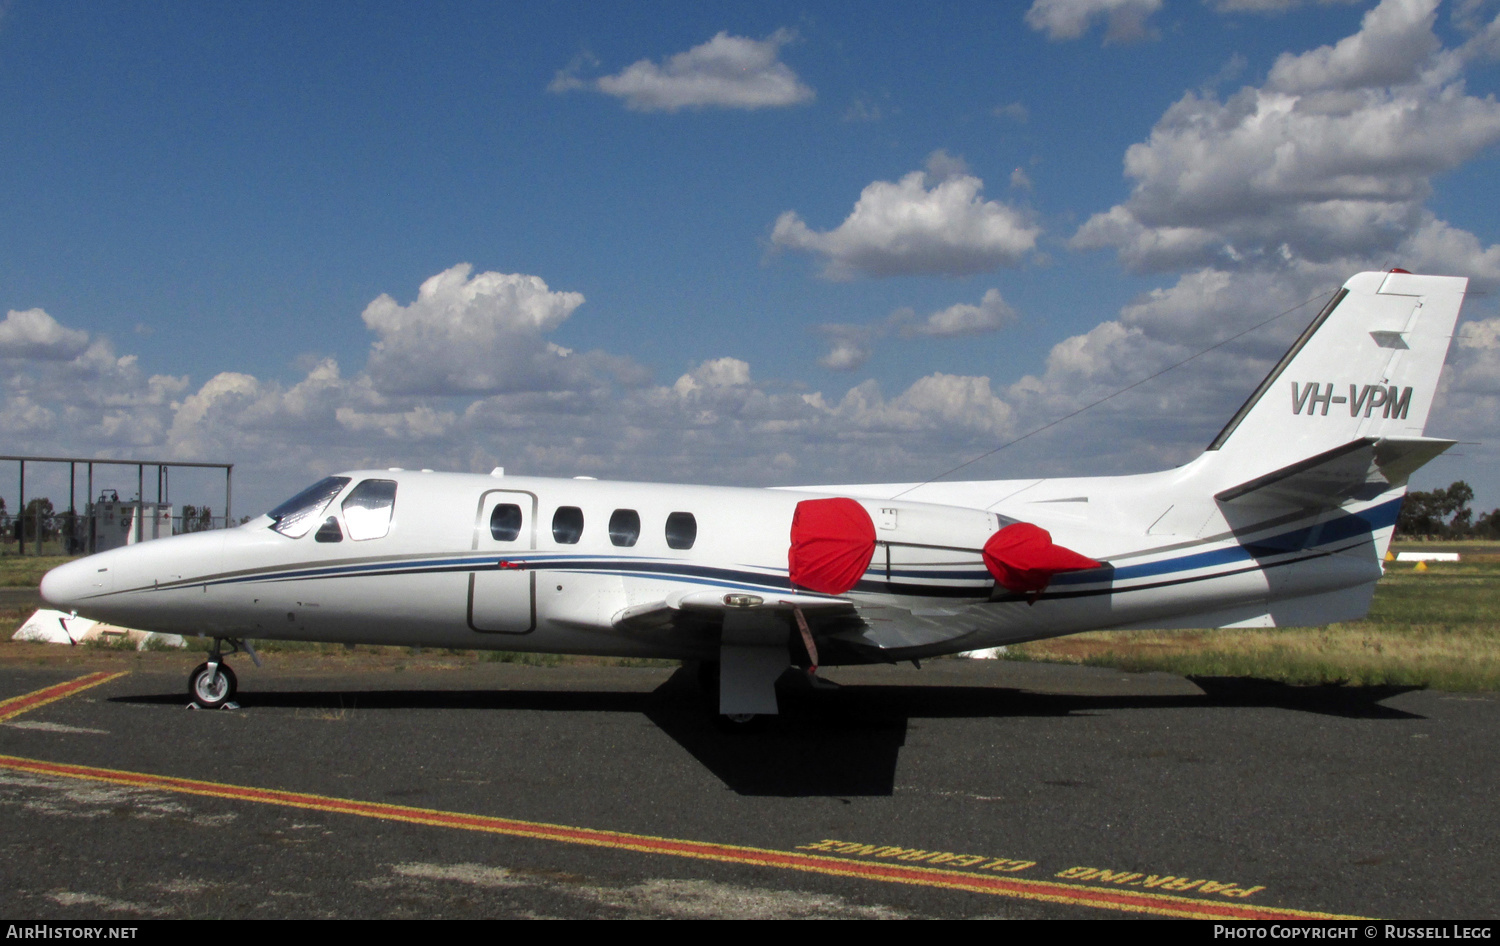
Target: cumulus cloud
(1394, 41)
(953, 399)
(1332, 158)
(725, 72)
(1167, 421)
(1015, 111)
(35, 334)
(1468, 401)
(850, 345)
(1484, 43)
(1265, 202)
(928, 223)
(1267, 6)
(716, 373)
(1125, 20)
(1437, 247)
(991, 314)
(65, 386)
(1476, 358)
(463, 334)
(717, 422)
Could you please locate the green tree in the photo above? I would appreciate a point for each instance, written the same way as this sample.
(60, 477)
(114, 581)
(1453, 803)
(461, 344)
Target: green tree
(1441, 512)
(196, 518)
(1488, 525)
(38, 511)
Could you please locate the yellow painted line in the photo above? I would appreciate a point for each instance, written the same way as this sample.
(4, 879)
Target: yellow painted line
(16, 705)
(1049, 891)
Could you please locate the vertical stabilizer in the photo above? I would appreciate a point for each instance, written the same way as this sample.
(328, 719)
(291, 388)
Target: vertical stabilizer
(1366, 368)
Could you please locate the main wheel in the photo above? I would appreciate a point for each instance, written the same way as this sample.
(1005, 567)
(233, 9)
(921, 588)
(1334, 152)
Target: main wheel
(212, 691)
(740, 724)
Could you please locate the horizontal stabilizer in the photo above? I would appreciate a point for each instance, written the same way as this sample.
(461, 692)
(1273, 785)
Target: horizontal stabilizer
(1359, 470)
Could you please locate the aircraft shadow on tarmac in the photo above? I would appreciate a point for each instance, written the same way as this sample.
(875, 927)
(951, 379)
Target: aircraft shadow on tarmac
(840, 741)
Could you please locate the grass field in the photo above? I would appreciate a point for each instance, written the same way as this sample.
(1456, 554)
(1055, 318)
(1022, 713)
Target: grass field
(1439, 628)
(18, 571)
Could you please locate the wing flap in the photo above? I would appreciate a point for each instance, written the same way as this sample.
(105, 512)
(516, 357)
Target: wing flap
(701, 613)
(712, 604)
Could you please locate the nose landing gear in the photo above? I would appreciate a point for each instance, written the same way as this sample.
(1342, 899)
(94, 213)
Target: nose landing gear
(212, 684)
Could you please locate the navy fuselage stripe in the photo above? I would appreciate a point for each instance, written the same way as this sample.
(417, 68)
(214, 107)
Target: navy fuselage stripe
(1299, 544)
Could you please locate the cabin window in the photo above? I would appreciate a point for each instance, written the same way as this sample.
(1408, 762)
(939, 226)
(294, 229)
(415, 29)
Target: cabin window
(505, 522)
(682, 530)
(567, 525)
(297, 515)
(367, 509)
(624, 527)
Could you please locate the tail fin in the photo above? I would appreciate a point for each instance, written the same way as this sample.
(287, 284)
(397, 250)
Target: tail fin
(1364, 372)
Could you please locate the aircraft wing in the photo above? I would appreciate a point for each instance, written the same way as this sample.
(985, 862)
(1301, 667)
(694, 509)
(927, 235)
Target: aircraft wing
(1358, 470)
(830, 619)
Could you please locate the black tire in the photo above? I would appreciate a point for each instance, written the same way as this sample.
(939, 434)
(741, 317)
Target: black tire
(741, 724)
(212, 693)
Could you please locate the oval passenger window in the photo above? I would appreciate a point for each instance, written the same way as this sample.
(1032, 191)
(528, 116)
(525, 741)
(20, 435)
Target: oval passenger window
(567, 525)
(624, 527)
(505, 522)
(682, 530)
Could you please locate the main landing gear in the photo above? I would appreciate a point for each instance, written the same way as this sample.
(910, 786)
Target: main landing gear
(709, 682)
(212, 684)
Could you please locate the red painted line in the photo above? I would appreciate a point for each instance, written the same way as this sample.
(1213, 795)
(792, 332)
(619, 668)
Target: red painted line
(1050, 891)
(16, 705)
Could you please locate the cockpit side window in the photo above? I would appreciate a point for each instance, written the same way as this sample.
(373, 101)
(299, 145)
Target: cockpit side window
(368, 508)
(297, 515)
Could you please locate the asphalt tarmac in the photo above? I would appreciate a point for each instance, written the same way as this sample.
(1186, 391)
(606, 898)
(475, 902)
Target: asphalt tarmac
(444, 787)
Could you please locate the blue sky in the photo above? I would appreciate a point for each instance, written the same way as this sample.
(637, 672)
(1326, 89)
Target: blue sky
(758, 243)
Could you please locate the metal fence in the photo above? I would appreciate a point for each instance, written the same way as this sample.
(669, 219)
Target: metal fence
(63, 533)
(43, 530)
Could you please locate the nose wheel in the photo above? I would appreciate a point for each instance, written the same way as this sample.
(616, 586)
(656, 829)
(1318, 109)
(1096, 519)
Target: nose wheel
(212, 684)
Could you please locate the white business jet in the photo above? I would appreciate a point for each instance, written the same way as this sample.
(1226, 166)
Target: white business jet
(1283, 520)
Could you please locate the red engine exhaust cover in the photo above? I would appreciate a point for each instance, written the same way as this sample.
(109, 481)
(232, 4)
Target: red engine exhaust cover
(1023, 559)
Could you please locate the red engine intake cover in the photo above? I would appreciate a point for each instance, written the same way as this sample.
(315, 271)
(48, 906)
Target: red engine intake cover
(833, 541)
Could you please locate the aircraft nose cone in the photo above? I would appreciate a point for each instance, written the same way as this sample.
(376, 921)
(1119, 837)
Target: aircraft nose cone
(66, 585)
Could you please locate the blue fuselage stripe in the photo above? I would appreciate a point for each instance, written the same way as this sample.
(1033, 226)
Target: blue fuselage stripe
(1305, 542)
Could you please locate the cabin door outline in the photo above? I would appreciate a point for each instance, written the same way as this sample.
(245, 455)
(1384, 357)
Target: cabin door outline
(502, 598)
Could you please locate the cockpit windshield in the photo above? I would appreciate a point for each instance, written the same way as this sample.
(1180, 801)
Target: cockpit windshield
(297, 515)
